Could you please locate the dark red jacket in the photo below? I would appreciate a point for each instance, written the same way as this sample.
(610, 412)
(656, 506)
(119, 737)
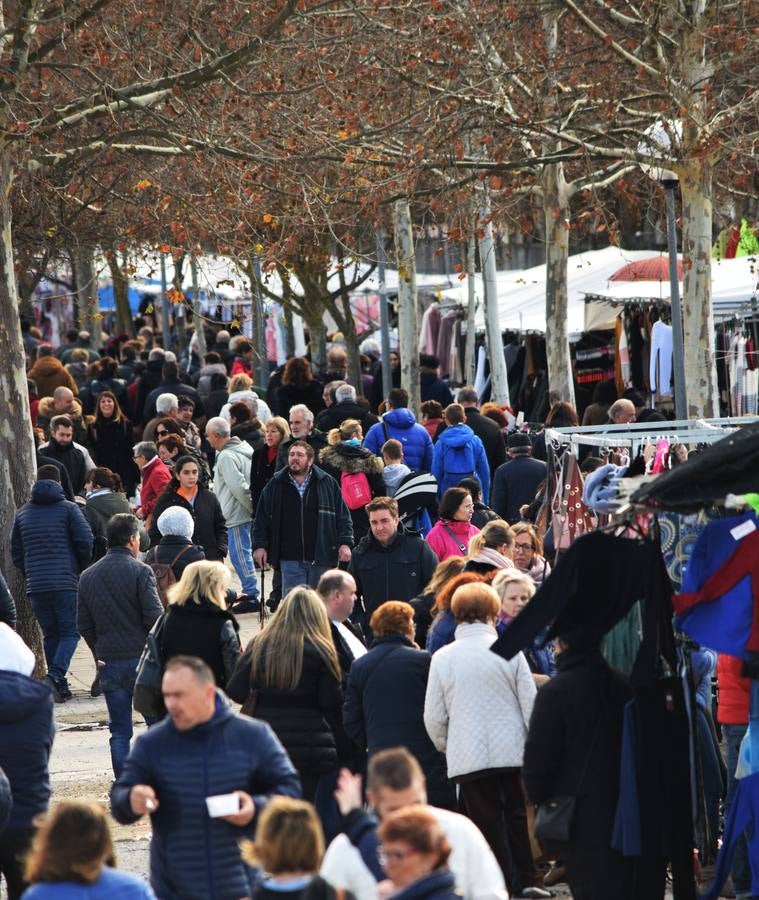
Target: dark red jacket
(734, 691)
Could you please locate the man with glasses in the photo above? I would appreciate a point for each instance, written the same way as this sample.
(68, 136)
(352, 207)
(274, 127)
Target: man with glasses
(155, 475)
(302, 428)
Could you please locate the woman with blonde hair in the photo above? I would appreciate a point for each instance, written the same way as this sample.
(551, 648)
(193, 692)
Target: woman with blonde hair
(347, 461)
(528, 553)
(290, 677)
(424, 603)
(72, 858)
(289, 847)
(515, 590)
(197, 621)
(491, 549)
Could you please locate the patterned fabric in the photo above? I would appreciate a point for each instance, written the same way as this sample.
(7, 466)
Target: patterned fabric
(678, 535)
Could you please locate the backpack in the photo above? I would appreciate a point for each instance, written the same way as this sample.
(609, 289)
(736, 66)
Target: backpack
(458, 462)
(354, 487)
(164, 575)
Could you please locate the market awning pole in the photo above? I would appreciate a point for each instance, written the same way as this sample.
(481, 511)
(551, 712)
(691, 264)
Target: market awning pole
(197, 319)
(678, 347)
(387, 377)
(165, 306)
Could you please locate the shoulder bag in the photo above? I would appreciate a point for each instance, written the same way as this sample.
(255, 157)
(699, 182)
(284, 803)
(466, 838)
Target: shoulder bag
(147, 697)
(553, 817)
(462, 547)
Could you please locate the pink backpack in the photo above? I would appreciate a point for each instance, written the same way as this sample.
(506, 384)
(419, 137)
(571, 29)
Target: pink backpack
(354, 487)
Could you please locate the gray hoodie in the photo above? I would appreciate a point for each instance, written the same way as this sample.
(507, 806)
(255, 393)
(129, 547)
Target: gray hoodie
(231, 481)
(393, 475)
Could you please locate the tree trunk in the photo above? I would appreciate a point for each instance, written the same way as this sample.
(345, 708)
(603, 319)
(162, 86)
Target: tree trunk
(120, 295)
(408, 322)
(499, 391)
(470, 360)
(17, 460)
(87, 294)
(556, 218)
(698, 318)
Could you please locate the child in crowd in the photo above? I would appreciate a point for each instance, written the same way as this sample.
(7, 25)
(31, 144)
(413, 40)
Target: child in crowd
(395, 469)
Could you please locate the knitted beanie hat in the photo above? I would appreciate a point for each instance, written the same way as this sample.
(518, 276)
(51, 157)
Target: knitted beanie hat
(177, 521)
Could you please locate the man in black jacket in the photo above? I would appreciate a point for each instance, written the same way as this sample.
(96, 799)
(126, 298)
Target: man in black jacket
(302, 429)
(516, 481)
(118, 605)
(338, 592)
(388, 564)
(345, 407)
(63, 448)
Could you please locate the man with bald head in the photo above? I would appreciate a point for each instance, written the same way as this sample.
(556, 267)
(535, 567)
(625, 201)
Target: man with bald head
(338, 592)
(622, 412)
(62, 403)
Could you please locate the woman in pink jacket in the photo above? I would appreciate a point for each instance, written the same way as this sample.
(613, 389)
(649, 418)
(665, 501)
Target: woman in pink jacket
(452, 532)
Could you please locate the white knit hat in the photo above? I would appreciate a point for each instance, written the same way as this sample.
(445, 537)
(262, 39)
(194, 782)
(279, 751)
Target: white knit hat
(177, 521)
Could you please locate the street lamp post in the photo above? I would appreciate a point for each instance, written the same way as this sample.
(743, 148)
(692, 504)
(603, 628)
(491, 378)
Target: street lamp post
(678, 345)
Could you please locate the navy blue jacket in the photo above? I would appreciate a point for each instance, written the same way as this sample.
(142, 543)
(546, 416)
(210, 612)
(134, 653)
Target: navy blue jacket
(51, 542)
(401, 424)
(27, 729)
(6, 800)
(193, 856)
(7, 604)
(514, 484)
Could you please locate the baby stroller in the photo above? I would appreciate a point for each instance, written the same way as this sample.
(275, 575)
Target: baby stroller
(417, 500)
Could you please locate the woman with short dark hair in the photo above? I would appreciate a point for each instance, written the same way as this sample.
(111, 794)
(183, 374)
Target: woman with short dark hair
(299, 386)
(451, 534)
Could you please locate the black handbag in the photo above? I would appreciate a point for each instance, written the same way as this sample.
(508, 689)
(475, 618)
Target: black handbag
(554, 817)
(147, 698)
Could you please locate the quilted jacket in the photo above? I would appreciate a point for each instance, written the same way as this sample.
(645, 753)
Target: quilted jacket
(51, 541)
(192, 856)
(478, 705)
(118, 605)
(402, 425)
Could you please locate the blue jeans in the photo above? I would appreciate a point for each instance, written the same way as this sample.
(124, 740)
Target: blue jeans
(741, 870)
(117, 681)
(295, 572)
(56, 613)
(241, 554)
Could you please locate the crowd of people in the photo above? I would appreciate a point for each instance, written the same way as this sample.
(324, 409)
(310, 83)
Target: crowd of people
(381, 748)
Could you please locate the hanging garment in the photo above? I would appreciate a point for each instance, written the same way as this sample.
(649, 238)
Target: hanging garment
(744, 813)
(678, 535)
(737, 372)
(660, 370)
(480, 377)
(719, 604)
(729, 466)
(429, 330)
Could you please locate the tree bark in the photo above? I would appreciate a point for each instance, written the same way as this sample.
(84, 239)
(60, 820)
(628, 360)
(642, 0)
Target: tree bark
(408, 322)
(17, 459)
(696, 184)
(120, 295)
(470, 362)
(499, 391)
(87, 293)
(556, 219)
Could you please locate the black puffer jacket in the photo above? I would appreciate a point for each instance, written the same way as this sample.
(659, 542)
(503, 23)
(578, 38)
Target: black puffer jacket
(111, 444)
(299, 717)
(204, 630)
(348, 458)
(261, 472)
(335, 415)
(210, 527)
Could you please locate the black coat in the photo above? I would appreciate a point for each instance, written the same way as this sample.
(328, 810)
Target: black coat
(43, 460)
(317, 439)
(333, 416)
(577, 721)
(198, 629)
(397, 572)
(210, 527)
(165, 552)
(151, 377)
(339, 458)
(7, 607)
(111, 444)
(514, 484)
(433, 388)
(289, 395)
(251, 431)
(72, 459)
(482, 515)
(261, 472)
(298, 717)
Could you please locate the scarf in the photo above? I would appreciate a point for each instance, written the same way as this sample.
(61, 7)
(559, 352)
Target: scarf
(491, 557)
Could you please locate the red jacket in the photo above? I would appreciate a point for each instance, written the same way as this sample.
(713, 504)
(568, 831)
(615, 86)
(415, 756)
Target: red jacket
(155, 476)
(734, 691)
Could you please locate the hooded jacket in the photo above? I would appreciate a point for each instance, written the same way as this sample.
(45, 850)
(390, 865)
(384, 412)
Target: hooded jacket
(399, 571)
(155, 476)
(231, 481)
(27, 729)
(97, 511)
(46, 411)
(334, 529)
(402, 425)
(193, 856)
(49, 373)
(459, 454)
(351, 459)
(74, 457)
(204, 378)
(443, 544)
(51, 541)
(434, 388)
(251, 431)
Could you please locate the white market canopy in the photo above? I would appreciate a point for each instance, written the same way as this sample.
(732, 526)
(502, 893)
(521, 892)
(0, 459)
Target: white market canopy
(522, 293)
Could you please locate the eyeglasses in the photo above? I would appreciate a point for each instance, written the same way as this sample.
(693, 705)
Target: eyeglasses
(161, 433)
(523, 548)
(385, 856)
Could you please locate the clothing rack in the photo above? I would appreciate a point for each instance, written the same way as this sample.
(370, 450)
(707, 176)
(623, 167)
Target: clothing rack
(635, 434)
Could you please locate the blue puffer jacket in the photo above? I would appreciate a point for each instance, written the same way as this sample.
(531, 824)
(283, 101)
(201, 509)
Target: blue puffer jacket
(401, 425)
(27, 729)
(193, 856)
(459, 453)
(51, 541)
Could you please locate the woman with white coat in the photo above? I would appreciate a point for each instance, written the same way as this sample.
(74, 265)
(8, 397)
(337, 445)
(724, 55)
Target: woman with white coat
(477, 710)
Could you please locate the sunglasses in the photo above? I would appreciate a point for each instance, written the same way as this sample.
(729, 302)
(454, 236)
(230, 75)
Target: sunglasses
(161, 433)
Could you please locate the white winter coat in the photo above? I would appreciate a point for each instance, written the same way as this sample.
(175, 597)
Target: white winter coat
(478, 705)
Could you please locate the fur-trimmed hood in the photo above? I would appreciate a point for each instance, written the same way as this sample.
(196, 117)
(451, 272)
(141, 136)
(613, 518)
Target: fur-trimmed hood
(47, 409)
(351, 459)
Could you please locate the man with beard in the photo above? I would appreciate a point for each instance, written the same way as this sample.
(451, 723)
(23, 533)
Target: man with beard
(302, 523)
(63, 448)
